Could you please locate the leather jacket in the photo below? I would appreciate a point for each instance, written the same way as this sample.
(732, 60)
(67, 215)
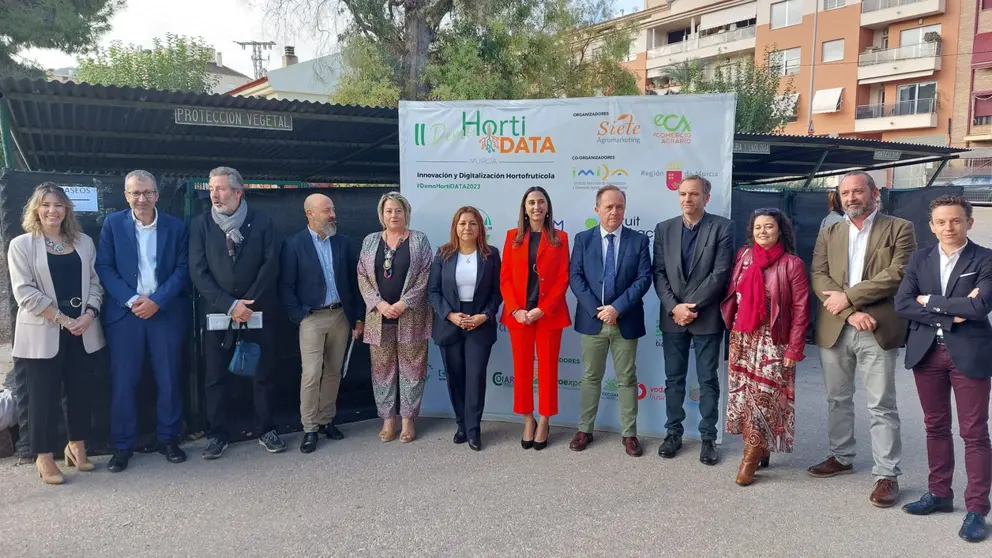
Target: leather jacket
(787, 285)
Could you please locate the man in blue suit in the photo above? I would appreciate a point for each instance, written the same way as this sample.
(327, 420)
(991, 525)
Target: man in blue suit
(318, 284)
(610, 272)
(143, 263)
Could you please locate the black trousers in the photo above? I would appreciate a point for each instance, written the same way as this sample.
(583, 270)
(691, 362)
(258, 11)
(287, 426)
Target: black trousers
(466, 364)
(219, 380)
(67, 375)
(676, 350)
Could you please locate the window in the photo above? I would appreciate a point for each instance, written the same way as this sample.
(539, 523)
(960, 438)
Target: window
(987, 4)
(833, 4)
(787, 61)
(915, 35)
(916, 98)
(787, 106)
(784, 14)
(833, 50)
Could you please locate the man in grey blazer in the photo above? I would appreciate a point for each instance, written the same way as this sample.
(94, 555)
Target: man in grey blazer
(693, 256)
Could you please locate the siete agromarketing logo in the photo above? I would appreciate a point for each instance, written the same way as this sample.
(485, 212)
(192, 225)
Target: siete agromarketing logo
(504, 136)
(624, 129)
(672, 128)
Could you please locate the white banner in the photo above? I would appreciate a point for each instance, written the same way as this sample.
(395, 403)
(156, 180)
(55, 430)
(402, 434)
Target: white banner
(487, 153)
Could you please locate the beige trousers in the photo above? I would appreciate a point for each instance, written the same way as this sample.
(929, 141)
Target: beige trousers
(324, 336)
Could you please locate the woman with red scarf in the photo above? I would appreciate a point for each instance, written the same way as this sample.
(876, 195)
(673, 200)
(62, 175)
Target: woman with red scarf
(767, 312)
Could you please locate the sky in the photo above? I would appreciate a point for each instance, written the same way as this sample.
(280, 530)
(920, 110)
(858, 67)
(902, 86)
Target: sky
(218, 22)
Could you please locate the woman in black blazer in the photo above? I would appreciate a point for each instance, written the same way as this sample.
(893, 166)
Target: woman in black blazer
(464, 291)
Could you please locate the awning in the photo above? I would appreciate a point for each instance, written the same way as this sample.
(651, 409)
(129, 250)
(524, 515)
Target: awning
(983, 107)
(827, 100)
(728, 16)
(656, 72)
(981, 51)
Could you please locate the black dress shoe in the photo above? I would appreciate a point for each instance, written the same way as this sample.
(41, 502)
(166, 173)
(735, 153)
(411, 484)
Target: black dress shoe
(928, 504)
(707, 454)
(118, 462)
(309, 444)
(172, 452)
(475, 443)
(671, 446)
(526, 444)
(974, 529)
(332, 432)
(460, 437)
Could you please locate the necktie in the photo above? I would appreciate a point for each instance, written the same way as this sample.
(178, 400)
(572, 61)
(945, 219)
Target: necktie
(609, 271)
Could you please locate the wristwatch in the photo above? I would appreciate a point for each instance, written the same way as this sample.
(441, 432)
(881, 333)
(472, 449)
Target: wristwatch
(96, 311)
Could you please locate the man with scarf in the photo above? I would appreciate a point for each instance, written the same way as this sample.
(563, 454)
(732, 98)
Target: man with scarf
(234, 265)
(858, 264)
(767, 312)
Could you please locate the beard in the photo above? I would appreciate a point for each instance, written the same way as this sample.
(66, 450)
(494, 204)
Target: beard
(330, 228)
(857, 211)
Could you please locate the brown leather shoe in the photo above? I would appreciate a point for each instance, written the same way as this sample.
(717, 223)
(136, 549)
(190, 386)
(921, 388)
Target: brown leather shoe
(829, 468)
(632, 446)
(885, 494)
(580, 441)
(752, 458)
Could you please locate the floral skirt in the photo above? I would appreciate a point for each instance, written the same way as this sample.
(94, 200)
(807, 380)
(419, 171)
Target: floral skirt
(761, 391)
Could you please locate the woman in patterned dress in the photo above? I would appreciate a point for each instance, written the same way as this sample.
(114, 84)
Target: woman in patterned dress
(767, 312)
(393, 270)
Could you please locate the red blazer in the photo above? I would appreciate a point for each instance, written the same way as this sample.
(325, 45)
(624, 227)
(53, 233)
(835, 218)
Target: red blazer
(788, 285)
(552, 272)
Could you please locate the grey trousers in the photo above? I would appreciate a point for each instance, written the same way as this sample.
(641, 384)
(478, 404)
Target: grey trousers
(858, 350)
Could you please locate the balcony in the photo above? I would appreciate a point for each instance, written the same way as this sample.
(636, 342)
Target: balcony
(700, 48)
(905, 62)
(904, 115)
(876, 14)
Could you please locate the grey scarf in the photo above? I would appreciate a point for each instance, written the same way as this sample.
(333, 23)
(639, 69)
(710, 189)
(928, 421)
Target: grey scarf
(231, 225)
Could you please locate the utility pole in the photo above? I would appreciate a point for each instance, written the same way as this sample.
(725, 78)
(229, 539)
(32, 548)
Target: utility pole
(257, 59)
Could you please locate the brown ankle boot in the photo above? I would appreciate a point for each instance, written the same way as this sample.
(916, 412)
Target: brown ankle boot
(752, 456)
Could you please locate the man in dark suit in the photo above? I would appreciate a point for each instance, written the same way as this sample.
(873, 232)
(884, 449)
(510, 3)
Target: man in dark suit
(609, 273)
(318, 284)
(143, 264)
(234, 265)
(693, 256)
(946, 294)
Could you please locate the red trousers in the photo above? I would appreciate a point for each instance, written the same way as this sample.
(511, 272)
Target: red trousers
(548, 343)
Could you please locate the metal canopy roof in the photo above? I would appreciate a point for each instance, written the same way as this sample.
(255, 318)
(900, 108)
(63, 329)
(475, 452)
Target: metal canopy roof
(73, 127)
(92, 128)
(769, 158)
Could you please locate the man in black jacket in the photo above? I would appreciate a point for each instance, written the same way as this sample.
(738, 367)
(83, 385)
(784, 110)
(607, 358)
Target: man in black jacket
(234, 265)
(693, 257)
(946, 294)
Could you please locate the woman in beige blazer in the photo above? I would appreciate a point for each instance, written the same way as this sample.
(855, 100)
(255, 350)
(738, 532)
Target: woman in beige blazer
(58, 298)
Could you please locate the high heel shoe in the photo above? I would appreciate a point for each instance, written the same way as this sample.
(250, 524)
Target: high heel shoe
(538, 446)
(764, 460)
(526, 444)
(49, 472)
(745, 475)
(77, 460)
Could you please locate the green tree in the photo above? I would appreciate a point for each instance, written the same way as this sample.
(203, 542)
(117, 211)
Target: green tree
(469, 49)
(764, 96)
(71, 26)
(176, 63)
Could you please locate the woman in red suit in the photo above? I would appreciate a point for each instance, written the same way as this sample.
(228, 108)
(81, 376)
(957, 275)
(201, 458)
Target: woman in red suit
(533, 281)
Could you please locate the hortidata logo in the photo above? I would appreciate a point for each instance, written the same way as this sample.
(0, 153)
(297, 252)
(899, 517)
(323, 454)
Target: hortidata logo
(493, 135)
(672, 128)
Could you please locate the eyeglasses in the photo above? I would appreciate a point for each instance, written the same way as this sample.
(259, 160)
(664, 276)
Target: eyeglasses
(151, 194)
(767, 210)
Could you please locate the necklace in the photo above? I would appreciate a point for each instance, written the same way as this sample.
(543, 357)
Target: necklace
(57, 247)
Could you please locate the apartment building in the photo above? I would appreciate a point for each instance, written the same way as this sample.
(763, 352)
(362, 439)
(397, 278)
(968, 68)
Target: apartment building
(971, 120)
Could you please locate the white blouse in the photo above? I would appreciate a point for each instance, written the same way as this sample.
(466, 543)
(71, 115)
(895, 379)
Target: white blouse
(465, 275)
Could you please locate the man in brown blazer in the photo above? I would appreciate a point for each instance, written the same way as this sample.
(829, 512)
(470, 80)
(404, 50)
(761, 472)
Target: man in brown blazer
(857, 267)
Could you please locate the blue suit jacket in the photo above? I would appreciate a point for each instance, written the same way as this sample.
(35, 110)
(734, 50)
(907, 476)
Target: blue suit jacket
(117, 266)
(633, 280)
(301, 281)
(966, 341)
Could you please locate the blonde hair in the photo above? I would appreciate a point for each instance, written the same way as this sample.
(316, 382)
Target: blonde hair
(30, 222)
(398, 198)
